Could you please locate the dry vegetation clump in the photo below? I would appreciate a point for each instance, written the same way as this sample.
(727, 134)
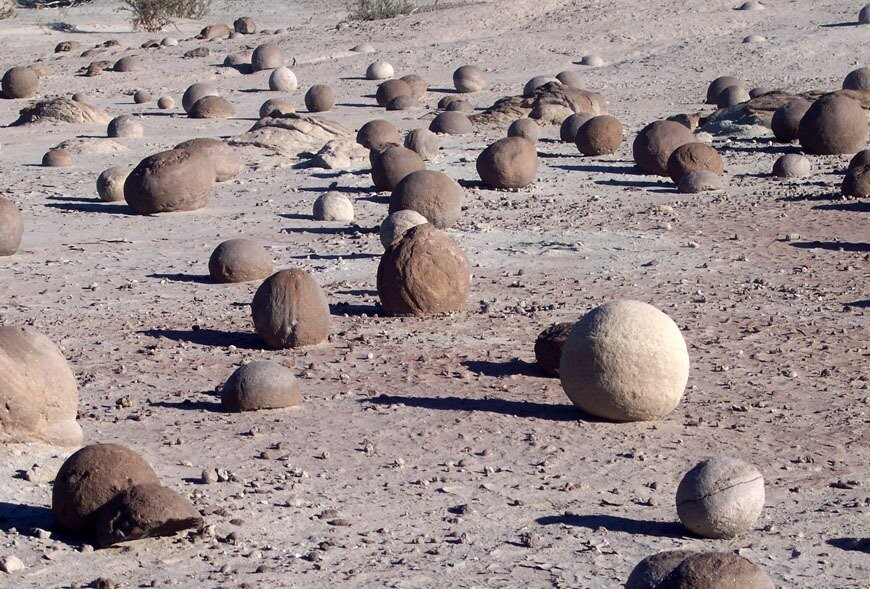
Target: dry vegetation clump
(7, 9)
(153, 15)
(380, 9)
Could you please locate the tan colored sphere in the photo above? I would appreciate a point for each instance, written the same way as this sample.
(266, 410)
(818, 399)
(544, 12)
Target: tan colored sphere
(451, 123)
(526, 128)
(570, 126)
(424, 142)
(656, 142)
(433, 194)
(418, 85)
(378, 134)
(718, 85)
(57, 158)
(537, 82)
(717, 570)
(625, 361)
(319, 98)
(174, 180)
(469, 78)
(110, 183)
(245, 25)
(787, 119)
(601, 135)
(267, 56)
(864, 15)
(834, 124)
(392, 164)
(792, 165)
(290, 310)
(239, 260)
(732, 95)
(862, 158)
(652, 570)
(395, 225)
(125, 126)
(423, 273)
(276, 107)
(261, 385)
(145, 511)
(282, 79)
(129, 64)
(141, 97)
(572, 78)
(694, 156)
(11, 227)
(700, 181)
(511, 162)
(165, 102)
(212, 107)
(458, 105)
(334, 207)
(379, 70)
(196, 91)
(391, 89)
(218, 152)
(858, 79)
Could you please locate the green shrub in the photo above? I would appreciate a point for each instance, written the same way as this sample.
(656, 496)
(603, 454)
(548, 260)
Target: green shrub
(380, 9)
(153, 15)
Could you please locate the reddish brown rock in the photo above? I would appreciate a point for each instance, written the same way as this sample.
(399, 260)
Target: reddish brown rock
(290, 310)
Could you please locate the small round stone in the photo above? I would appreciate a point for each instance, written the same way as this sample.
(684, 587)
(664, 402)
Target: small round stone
(461, 106)
(11, 227)
(858, 79)
(81, 98)
(110, 183)
(165, 102)
(20, 82)
(754, 39)
(718, 85)
(856, 183)
(141, 97)
(245, 25)
(511, 162)
(433, 194)
(694, 156)
(379, 70)
(392, 164)
(572, 124)
(363, 48)
(144, 511)
(319, 98)
(394, 226)
(129, 64)
(573, 79)
(173, 180)
(125, 126)
(239, 260)
(700, 181)
(525, 128)
(218, 152)
(290, 310)
(418, 85)
(862, 158)
(786, 119)
(212, 107)
(732, 95)
(196, 91)
(424, 142)
(378, 134)
(864, 15)
(451, 123)
(277, 107)
(751, 5)
(57, 158)
(403, 103)
(834, 124)
(601, 135)
(261, 385)
(333, 206)
(169, 42)
(535, 83)
(792, 165)
(656, 142)
(391, 89)
(282, 79)
(267, 56)
(469, 78)
(592, 60)
(549, 344)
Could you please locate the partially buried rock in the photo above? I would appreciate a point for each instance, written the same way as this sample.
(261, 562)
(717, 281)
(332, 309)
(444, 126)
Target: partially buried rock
(245, 25)
(392, 164)
(379, 70)
(454, 105)
(718, 85)
(433, 194)
(509, 163)
(276, 107)
(282, 79)
(20, 82)
(391, 89)
(700, 181)
(11, 227)
(214, 32)
(319, 98)
(535, 83)
(734, 94)
(196, 91)
(378, 134)
(862, 158)
(260, 385)
(451, 123)
(174, 180)
(787, 118)
(792, 165)
(403, 103)
(423, 273)
(212, 107)
(652, 570)
(469, 78)
(656, 142)
(571, 78)
(125, 126)
(834, 124)
(525, 128)
(694, 156)
(110, 183)
(857, 182)
(290, 310)
(57, 158)
(333, 206)
(221, 155)
(548, 346)
(418, 85)
(239, 260)
(39, 396)
(394, 226)
(424, 142)
(145, 511)
(267, 57)
(858, 79)
(129, 64)
(601, 135)
(570, 126)
(717, 570)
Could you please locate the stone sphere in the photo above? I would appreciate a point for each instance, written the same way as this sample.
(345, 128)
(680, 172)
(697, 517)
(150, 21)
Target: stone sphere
(787, 119)
(592, 60)
(397, 223)
(212, 107)
(656, 142)
(125, 126)
(700, 181)
(856, 183)
(110, 183)
(165, 102)
(462, 106)
(511, 162)
(754, 39)
(20, 82)
(734, 94)
(239, 260)
(245, 25)
(221, 155)
(862, 158)
(169, 42)
(392, 164)
(525, 128)
(379, 70)
(792, 165)
(267, 56)
(652, 570)
(864, 15)
(600, 135)
(423, 273)
(548, 347)
(11, 227)
(144, 511)
(720, 497)
(57, 158)
(141, 97)
(91, 478)
(451, 123)
(81, 98)
(718, 85)
(260, 385)
(751, 5)
(282, 79)
(174, 180)
(129, 64)
(433, 194)
(195, 92)
(535, 83)
(280, 105)
(574, 79)
(290, 310)
(418, 85)
(38, 392)
(469, 78)
(363, 48)
(391, 89)
(424, 142)
(858, 79)
(333, 206)
(319, 98)
(570, 126)
(625, 361)
(694, 156)
(717, 570)
(378, 134)
(834, 124)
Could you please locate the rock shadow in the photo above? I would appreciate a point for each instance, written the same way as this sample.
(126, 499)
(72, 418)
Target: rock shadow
(181, 277)
(615, 523)
(845, 246)
(516, 408)
(209, 337)
(851, 544)
(350, 256)
(92, 207)
(850, 207)
(859, 304)
(354, 310)
(190, 405)
(506, 368)
(24, 517)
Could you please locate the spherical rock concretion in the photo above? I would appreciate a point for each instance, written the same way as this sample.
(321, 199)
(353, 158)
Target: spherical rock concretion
(600, 135)
(363, 48)
(732, 95)
(792, 165)
(221, 155)
(433, 194)
(19, 82)
(11, 227)
(423, 273)
(570, 126)
(38, 392)
(469, 78)
(260, 385)
(592, 60)
(856, 183)
(858, 79)
(391, 89)
(57, 158)
(572, 78)
(403, 103)
(319, 98)
(276, 106)
(652, 570)
(379, 70)
(290, 310)
(110, 183)
(549, 344)
(91, 478)
(694, 156)
(535, 83)
(392, 164)
(378, 134)
(196, 91)
(212, 107)
(862, 158)
(239, 260)
(418, 85)
(700, 181)
(141, 97)
(720, 497)
(129, 64)
(451, 123)
(424, 142)
(511, 162)
(333, 206)
(282, 79)
(717, 570)
(787, 119)
(245, 25)
(754, 39)
(165, 102)
(394, 226)
(751, 5)
(125, 126)
(833, 124)
(454, 105)
(267, 56)
(719, 84)
(525, 128)
(144, 511)
(174, 180)
(656, 142)
(625, 361)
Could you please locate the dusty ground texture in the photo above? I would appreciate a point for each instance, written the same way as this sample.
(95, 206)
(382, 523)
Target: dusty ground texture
(431, 452)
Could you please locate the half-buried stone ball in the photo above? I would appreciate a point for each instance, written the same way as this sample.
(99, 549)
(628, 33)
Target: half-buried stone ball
(11, 227)
(571, 78)
(221, 155)
(717, 570)
(858, 79)
(718, 85)
(282, 79)
(732, 95)
(424, 142)
(786, 119)
(451, 123)
(720, 497)
(856, 183)
(110, 183)
(433, 194)
(656, 142)
(391, 89)
(125, 126)
(700, 181)
(392, 164)
(38, 392)
(129, 64)
(379, 70)
(319, 98)
(792, 165)
(394, 226)
(526, 128)
(462, 106)
(165, 102)
(91, 478)
(625, 361)
(535, 83)
(418, 85)
(245, 25)
(333, 206)
(57, 158)
(267, 56)
(403, 103)
(212, 107)
(276, 107)
(469, 78)
(144, 511)
(548, 346)
(239, 260)
(570, 126)
(834, 124)
(601, 135)
(652, 570)
(196, 91)
(423, 273)
(862, 158)
(694, 156)
(508, 163)
(290, 310)
(260, 385)
(174, 180)
(378, 134)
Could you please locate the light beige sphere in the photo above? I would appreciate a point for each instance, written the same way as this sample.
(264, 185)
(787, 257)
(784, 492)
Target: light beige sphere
(333, 206)
(379, 70)
(282, 79)
(397, 223)
(110, 184)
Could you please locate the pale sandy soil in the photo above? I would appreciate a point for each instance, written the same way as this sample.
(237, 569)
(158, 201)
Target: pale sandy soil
(437, 439)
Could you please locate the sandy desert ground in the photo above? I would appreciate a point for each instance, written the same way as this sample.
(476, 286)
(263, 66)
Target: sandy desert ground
(446, 456)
